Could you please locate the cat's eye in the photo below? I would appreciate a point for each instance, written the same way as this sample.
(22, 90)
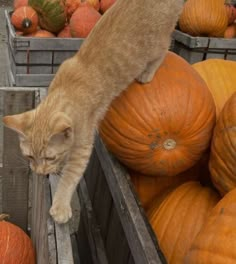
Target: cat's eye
(30, 157)
(50, 158)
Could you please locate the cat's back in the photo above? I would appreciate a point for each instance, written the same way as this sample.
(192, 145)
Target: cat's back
(134, 21)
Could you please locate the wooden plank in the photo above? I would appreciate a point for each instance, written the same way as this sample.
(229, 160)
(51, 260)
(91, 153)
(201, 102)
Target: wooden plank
(39, 226)
(15, 167)
(90, 175)
(93, 232)
(83, 243)
(117, 247)
(102, 200)
(63, 241)
(142, 243)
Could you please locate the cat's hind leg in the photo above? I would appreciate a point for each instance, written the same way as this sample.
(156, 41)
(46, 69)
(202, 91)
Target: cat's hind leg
(147, 75)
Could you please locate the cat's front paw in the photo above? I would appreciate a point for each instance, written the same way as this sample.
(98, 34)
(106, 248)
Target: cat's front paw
(60, 212)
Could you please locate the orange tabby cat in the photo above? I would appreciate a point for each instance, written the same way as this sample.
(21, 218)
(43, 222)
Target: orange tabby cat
(129, 42)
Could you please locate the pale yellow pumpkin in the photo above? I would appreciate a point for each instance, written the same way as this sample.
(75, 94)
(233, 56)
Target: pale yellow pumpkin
(220, 77)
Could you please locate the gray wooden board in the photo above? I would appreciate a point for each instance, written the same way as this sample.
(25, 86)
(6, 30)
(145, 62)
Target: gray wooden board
(92, 229)
(85, 255)
(140, 240)
(63, 241)
(102, 203)
(117, 247)
(15, 168)
(90, 175)
(204, 42)
(39, 233)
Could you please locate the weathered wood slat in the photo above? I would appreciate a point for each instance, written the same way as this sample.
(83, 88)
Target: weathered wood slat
(39, 230)
(140, 240)
(92, 229)
(63, 241)
(101, 200)
(117, 247)
(15, 185)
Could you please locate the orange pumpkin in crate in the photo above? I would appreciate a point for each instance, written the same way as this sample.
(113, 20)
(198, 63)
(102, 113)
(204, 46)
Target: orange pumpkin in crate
(222, 162)
(15, 246)
(19, 3)
(204, 18)
(83, 20)
(179, 218)
(163, 127)
(148, 188)
(216, 241)
(25, 19)
(220, 78)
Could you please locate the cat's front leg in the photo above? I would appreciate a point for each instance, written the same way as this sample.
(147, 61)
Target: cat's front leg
(147, 75)
(72, 173)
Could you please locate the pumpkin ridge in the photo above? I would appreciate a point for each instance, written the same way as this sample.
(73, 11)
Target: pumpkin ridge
(181, 229)
(120, 113)
(165, 204)
(143, 121)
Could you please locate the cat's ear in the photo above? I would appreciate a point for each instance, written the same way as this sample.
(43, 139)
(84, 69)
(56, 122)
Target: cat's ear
(61, 131)
(16, 122)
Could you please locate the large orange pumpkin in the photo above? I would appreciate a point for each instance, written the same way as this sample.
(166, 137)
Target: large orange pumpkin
(216, 241)
(220, 78)
(15, 246)
(179, 218)
(163, 127)
(204, 18)
(222, 162)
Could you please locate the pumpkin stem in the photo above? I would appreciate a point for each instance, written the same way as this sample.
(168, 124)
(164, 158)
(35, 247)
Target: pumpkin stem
(26, 23)
(4, 216)
(169, 144)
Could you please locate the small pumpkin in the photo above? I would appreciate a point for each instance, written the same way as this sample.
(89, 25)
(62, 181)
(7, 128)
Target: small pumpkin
(19, 3)
(204, 18)
(106, 4)
(231, 13)
(15, 245)
(179, 218)
(230, 31)
(94, 3)
(65, 32)
(222, 162)
(83, 20)
(25, 19)
(71, 6)
(220, 78)
(163, 127)
(216, 241)
(41, 33)
(52, 14)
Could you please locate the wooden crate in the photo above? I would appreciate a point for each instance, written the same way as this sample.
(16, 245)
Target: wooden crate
(195, 49)
(113, 223)
(112, 227)
(26, 197)
(34, 61)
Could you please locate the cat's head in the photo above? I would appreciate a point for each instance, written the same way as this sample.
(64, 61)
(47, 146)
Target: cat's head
(46, 140)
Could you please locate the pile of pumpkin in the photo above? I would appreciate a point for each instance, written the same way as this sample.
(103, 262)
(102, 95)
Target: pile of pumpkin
(208, 18)
(177, 138)
(57, 18)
